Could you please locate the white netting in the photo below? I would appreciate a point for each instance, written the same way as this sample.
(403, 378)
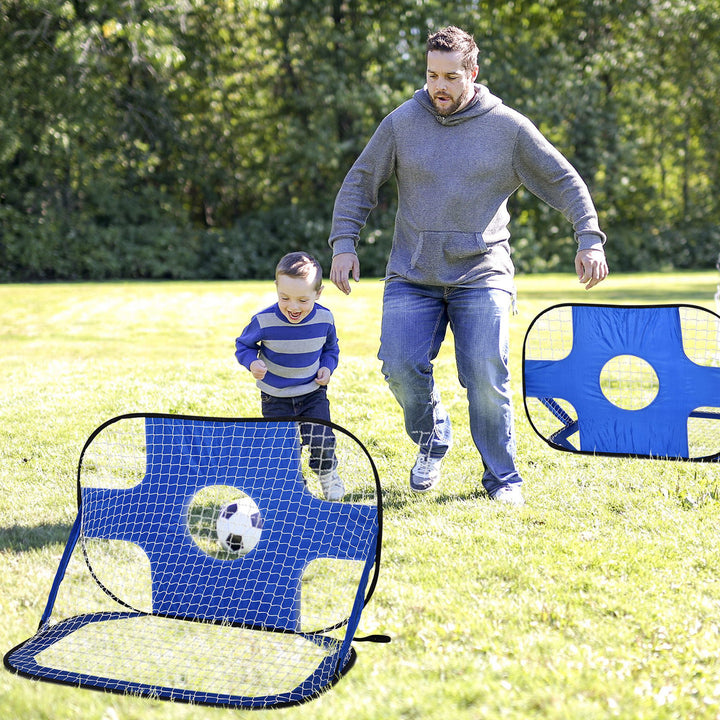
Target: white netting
(701, 335)
(187, 656)
(551, 335)
(551, 338)
(629, 382)
(701, 342)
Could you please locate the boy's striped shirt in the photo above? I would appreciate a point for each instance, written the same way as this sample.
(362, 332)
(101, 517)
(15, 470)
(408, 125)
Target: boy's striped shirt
(292, 352)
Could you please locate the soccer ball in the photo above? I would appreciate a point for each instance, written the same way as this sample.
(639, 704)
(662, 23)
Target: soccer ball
(239, 526)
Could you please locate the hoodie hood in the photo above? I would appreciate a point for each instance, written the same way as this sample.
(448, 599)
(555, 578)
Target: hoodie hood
(482, 102)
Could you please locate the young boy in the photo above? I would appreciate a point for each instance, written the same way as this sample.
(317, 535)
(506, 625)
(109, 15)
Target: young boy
(291, 349)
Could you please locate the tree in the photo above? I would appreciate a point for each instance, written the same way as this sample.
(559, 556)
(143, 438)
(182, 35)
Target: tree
(164, 138)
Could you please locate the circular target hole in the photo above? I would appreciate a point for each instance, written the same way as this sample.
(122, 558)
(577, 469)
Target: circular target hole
(629, 382)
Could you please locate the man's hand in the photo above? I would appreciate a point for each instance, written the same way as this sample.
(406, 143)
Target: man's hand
(258, 369)
(591, 267)
(343, 266)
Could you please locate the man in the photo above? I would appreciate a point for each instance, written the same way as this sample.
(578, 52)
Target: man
(458, 154)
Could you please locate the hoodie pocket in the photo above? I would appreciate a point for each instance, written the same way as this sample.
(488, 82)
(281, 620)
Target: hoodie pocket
(449, 246)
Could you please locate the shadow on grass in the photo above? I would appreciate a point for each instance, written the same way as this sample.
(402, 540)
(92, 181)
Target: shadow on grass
(445, 498)
(19, 538)
(658, 295)
(640, 294)
(394, 499)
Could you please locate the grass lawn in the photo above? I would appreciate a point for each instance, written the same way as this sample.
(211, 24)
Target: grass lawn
(599, 599)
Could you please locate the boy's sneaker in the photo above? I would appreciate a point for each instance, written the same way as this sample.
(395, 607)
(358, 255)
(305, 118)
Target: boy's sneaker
(332, 485)
(425, 473)
(509, 495)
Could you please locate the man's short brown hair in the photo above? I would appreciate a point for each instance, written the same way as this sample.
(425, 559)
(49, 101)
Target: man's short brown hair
(453, 39)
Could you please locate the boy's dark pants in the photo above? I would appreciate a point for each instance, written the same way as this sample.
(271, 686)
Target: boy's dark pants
(319, 438)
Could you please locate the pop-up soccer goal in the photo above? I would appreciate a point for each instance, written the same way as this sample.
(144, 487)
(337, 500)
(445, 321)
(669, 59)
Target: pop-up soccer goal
(640, 381)
(206, 566)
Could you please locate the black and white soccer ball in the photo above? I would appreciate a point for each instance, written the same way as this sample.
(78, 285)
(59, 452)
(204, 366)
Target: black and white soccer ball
(239, 526)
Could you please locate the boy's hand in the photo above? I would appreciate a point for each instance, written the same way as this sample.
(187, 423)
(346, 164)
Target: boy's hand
(323, 376)
(258, 369)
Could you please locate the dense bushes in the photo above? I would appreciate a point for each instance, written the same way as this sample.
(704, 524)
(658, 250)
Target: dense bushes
(250, 249)
(163, 250)
(199, 140)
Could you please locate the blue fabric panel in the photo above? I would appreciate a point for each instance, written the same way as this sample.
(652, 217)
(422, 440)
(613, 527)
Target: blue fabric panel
(654, 334)
(260, 589)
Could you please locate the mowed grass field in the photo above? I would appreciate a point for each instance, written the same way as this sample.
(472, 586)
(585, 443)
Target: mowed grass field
(598, 599)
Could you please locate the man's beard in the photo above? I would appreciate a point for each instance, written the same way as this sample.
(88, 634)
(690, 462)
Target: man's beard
(454, 106)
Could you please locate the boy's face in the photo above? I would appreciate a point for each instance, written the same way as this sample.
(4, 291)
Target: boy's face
(296, 296)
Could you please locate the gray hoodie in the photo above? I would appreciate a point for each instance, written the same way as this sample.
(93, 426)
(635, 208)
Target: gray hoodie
(454, 177)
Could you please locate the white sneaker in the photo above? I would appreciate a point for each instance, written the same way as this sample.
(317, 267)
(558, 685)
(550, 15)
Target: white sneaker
(332, 485)
(509, 495)
(425, 473)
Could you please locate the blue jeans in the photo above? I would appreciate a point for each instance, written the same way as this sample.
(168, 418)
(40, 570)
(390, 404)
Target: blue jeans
(414, 323)
(319, 438)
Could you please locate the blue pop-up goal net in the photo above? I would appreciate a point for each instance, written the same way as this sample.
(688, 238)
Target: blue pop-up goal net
(639, 381)
(205, 564)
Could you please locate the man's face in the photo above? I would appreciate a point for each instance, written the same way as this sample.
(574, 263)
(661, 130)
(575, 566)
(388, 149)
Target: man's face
(449, 84)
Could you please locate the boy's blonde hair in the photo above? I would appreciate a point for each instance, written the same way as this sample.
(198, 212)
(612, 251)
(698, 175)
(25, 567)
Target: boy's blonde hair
(300, 264)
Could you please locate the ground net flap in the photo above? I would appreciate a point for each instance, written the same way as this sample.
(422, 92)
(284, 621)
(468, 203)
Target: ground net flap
(641, 381)
(206, 565)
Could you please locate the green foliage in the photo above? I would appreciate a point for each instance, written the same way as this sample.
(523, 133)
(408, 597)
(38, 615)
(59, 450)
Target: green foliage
(152, 138)
(252, 248)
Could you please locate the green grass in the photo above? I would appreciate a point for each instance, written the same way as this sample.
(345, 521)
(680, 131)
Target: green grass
(598, 599)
